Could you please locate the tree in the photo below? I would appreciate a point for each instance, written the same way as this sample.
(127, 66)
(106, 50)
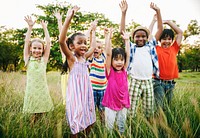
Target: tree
(192, 29)
(80, 22)
(11, 50)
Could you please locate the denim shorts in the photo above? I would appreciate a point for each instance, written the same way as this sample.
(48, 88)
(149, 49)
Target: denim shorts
(163, 91)
(98, 97)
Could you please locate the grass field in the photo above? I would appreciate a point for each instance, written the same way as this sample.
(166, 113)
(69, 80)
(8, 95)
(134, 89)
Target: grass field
(181, 120)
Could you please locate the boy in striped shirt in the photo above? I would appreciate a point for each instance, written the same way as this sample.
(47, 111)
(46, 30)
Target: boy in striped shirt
(97, 77)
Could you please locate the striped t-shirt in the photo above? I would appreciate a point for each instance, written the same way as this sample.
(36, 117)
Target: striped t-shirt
(97, 73)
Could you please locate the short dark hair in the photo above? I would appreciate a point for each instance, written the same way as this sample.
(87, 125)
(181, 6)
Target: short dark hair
(167, 33)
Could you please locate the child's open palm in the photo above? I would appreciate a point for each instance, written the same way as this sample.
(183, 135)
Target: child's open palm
(108, 32)
(155, 17)
(75, 8)
(44, 23)
(93, 25)
(72, 11)
(125, 35)
(58, 15)
(154, 6)
(166, 21)
(29, 20)
(123, 5)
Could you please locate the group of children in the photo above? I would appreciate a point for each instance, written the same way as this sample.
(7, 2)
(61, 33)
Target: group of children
(105, 85)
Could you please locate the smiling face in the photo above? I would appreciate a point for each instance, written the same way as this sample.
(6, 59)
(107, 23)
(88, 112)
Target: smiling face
(37, 49)
(80, 45)
(140, 37)
(118, 58)
(167, 37)
(118, 62)
(166, 42)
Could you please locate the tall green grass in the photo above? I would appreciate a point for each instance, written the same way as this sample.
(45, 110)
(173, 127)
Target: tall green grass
(180, 120)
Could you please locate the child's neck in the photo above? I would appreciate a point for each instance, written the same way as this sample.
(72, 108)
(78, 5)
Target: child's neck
(80, 58)
(117, 70)
(37, 58)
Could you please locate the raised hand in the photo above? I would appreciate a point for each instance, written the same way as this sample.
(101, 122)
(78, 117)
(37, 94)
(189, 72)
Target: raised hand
(44, 23)
(154, 6)
(75, 8)
(123, 5)
(125, 35)
(58, 15)
(111, 33)
(29, 20)
(166, 21)
(108, 32)
(155, 17)
(93, 25)
(72, 11)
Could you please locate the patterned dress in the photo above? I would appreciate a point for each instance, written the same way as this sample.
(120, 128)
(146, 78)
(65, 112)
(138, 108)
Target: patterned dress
(80, 109)
(37, 98)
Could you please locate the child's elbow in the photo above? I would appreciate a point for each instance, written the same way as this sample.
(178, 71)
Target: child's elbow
(48, 43)
(61, 42)
(180, 32)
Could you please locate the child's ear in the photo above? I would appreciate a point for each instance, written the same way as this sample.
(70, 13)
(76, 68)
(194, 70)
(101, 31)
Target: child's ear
(71, 46)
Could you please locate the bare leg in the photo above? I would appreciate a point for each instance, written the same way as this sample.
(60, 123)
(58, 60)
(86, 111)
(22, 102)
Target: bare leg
(73, 135)
(102, 117)
(88, 129)
(33, 118)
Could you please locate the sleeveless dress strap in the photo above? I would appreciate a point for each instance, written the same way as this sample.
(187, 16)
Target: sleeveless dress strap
(76, 60)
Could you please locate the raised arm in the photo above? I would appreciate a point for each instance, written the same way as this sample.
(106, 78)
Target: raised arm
(151, 26)
(62, 39)
(93, 40)
(59, 20)
(48, 41)
(108, 45)
(30, 23)
(126, 36)
(124, 6)
(159, 20)
(89, 31)
(179, 32)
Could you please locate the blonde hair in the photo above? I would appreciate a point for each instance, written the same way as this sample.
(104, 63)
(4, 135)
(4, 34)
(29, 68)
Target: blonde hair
(37, 40)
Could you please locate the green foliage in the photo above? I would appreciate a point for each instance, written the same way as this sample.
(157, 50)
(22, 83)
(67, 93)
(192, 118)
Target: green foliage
(10, 50)
(12, 41)
(80, 22)
(190, 59)
(192, 29)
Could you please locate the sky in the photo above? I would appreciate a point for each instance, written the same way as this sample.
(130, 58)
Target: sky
(12, 12)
